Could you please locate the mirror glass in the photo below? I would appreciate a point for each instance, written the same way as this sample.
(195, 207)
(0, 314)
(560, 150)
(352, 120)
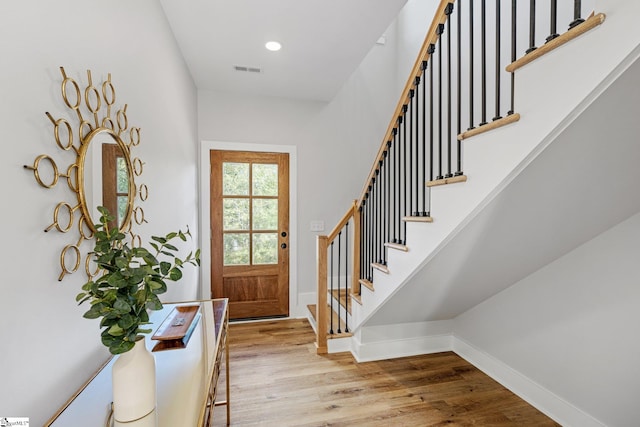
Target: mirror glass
(106, 177)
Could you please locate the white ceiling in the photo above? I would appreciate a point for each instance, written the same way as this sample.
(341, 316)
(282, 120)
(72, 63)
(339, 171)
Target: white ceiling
(323, 42)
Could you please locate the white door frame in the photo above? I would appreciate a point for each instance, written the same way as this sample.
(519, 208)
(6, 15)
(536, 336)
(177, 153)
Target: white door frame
(205, 212)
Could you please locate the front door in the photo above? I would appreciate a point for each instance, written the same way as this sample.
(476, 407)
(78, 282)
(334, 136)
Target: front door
(250, 232)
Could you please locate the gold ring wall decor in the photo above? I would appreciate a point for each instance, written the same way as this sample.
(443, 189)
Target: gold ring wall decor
(103, 173)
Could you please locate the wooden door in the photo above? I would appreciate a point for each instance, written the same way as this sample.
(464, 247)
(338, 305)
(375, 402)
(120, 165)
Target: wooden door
(250, 232)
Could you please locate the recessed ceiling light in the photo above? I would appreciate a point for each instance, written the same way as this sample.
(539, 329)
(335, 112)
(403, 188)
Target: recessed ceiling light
(273, 46)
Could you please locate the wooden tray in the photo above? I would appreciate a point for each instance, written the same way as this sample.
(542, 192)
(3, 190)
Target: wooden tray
(177, 323)
(178, 343)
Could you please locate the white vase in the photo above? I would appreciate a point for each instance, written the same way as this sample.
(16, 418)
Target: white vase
(134, 383)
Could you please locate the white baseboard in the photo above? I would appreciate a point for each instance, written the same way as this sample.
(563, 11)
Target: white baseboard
(533, 393)
(300, 310)
(340, 345)
(391, 349)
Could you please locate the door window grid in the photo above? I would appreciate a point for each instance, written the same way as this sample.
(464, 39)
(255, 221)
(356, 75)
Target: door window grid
(250, 213)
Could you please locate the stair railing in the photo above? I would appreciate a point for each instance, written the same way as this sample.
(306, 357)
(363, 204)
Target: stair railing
(337, 253)
(458, 77)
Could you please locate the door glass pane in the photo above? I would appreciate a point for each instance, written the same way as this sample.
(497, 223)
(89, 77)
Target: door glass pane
(265, 214)
(236, 249)
(122, 175)
(123, 203)
(235, 214)
(235, 179)
(265, 179)
(265, 248)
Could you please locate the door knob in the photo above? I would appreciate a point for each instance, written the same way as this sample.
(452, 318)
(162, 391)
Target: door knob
(283, 246)
(283, 234)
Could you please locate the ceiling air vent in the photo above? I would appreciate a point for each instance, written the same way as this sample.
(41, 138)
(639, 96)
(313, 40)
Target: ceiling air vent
(246, 69)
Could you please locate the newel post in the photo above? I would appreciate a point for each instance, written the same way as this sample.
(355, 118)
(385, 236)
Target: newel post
(355, 285)
(321, 307)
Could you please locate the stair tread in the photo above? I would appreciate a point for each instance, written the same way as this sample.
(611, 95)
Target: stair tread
(417, 219)
(511, 118)
(342, 295)
(591, 22)
(397, 246)
(444, 181)
(380, 267)
(367, 284)
(336, 321)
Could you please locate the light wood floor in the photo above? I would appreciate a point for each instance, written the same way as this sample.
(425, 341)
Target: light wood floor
(278, 380)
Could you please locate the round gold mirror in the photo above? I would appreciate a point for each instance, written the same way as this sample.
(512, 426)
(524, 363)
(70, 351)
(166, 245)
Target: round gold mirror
(105, 177)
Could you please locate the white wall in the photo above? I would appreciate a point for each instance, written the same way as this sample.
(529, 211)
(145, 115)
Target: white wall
(572, 326)
(336, 142)
(48, 349)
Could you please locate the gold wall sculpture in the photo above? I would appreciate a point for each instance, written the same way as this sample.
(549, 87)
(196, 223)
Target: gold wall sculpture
(93, 122)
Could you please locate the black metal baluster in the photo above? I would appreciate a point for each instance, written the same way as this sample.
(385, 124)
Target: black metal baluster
(532, 26)
(431, 114)
(459, 90)
(374, 221)
(577, 13)
(483, 65)
(448, 12)
(369, 235)
(388, 164)
(346, 279)
(380, 200)
(396, 187)
(471, 59)
(553, 22)
(361, 274)
(330, 292)
(416, 176)
(404, 172)
(513, 53)
(498, 68)
(409, 179)
(439, 51)
(376, 208)
(383, 206)
(332, 296)
(423, 181)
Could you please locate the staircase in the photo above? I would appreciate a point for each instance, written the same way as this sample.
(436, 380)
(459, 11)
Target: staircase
(414, 262)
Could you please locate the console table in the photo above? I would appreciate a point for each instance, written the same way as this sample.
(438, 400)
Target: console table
(186, 378)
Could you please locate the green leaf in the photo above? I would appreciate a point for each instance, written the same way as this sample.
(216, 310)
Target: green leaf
(159, 239)
(165, 267)
(171, 235)
(154, 303)
(175, 274)
(121, 347)
(116, 330)
(126, 321)
(122, 305)
(170, 247)
(80, 296)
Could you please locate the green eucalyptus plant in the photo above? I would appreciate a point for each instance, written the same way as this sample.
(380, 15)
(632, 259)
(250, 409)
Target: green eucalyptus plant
(131, 280)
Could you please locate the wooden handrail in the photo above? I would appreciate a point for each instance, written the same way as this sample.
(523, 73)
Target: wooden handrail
(440, 17)
(345, 218)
